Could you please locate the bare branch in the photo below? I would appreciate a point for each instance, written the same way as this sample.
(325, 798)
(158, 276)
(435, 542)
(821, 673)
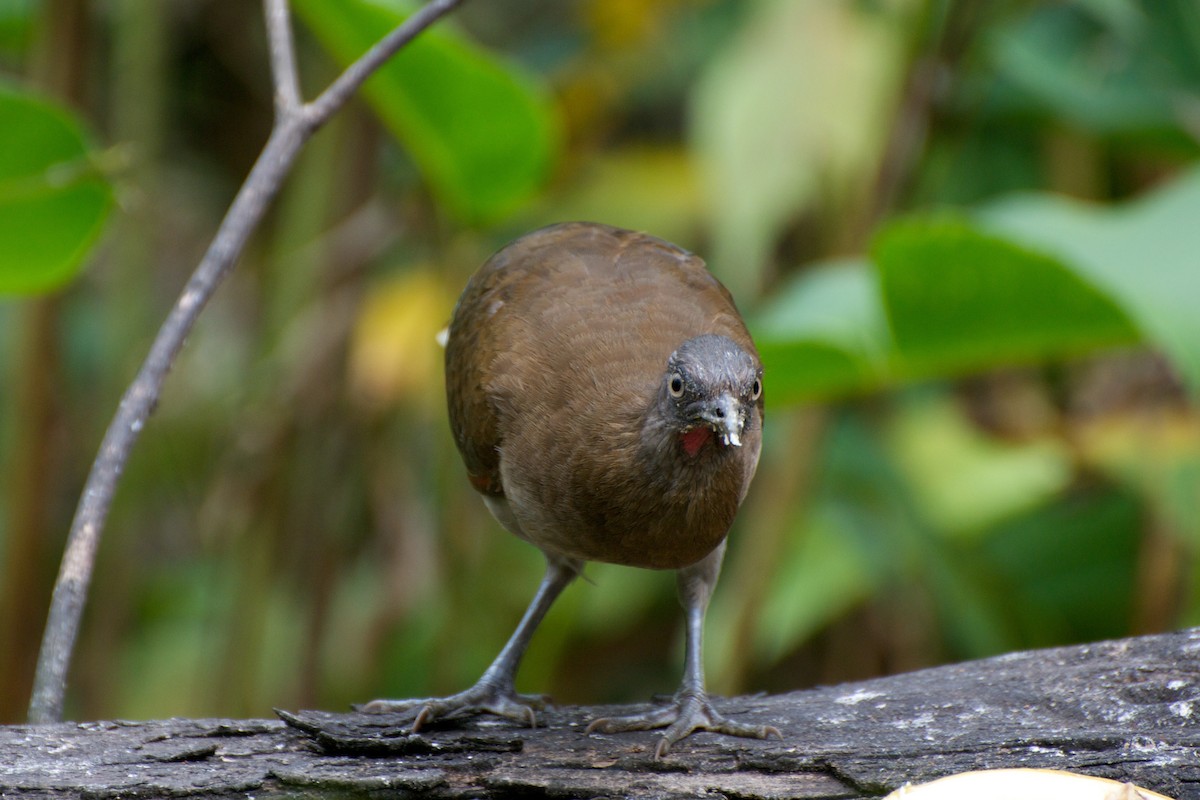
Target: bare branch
(283, 56)
(294, 124)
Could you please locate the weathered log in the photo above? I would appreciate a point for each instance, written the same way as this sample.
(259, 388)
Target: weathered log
(1127, 709)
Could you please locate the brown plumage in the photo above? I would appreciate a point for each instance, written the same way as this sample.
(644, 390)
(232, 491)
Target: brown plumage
(607, 401)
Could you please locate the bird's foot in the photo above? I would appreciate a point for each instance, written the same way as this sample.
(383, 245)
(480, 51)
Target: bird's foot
(482, 698)
(688, 712)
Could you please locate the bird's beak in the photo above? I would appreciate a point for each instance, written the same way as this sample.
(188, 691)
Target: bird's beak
(724, 416)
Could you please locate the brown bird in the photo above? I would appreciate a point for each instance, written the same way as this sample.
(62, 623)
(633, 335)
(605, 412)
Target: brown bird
(608, 403)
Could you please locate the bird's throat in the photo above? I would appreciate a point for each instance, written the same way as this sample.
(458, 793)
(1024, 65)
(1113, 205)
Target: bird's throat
(693, 441)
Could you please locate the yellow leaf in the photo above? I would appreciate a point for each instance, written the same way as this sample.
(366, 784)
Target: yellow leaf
(395, 358)
(1027, 784)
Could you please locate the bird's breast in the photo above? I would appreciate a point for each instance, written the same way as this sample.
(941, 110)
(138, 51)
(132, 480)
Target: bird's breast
(618, 501)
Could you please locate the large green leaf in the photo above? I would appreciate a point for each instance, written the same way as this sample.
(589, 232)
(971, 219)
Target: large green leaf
(960, 300)
(1144, 254)
(942, 299)
(483, 133)
(52, 202)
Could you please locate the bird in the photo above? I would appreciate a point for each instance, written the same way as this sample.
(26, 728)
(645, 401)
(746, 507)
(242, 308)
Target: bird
(607, 401)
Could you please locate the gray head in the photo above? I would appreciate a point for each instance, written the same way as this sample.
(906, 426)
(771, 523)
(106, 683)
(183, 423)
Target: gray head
(711, 384)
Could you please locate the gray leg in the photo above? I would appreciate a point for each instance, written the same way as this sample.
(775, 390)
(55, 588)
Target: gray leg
(495, 692)
(690, 710)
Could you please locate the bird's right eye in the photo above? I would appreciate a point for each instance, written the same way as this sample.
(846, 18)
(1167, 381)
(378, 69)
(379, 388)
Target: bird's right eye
(676, 385)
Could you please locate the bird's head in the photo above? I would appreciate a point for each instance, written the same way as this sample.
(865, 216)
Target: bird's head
(712, 389)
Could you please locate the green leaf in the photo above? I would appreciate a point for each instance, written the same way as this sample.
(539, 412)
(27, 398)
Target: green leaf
(961, 300)
(482, 132)
(52, 202)
(1145, 254)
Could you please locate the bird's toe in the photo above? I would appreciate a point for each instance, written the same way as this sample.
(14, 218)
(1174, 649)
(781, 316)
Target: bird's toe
(682, 717)
(483, 698)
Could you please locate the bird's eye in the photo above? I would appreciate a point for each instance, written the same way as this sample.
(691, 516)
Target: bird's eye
(676, 385)
(756, 390)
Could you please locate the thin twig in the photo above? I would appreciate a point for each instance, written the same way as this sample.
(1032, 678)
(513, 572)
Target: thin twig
(283, 56)
(294, 124)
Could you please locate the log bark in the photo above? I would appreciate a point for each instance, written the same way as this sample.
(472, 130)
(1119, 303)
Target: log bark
(1127, 710)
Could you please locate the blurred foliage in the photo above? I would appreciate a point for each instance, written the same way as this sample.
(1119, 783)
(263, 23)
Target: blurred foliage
(432, 97)
(964, 235)
(52, 203)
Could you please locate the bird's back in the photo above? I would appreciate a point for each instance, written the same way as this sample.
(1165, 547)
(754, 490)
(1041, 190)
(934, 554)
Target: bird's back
(557, 347)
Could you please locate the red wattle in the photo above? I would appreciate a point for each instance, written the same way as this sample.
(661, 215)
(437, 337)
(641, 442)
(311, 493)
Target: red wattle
(694, 439)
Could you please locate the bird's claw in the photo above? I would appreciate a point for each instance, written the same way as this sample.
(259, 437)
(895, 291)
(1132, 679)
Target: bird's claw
(479, 699)
(684, 716)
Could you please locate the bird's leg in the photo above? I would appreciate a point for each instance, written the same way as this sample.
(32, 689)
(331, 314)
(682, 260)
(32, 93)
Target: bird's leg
(495, 692)
(690, 710)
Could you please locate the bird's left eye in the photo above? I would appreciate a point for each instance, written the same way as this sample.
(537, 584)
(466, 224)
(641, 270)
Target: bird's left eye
(676, 385)
(756, 390)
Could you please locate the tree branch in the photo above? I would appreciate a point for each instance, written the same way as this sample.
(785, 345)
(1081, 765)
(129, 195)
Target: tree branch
(294, 124)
